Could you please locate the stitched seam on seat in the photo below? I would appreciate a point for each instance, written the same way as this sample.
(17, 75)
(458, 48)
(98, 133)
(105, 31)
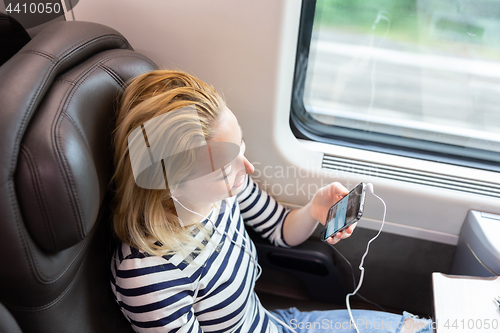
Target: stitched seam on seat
(130, 55)
(28, 251)
(76, 47)
(75, 86)
(67, 176)
(28, 254)
(40, 195)
(64, 114)
(28, 114)
(83, 245)
(73, 193)
(113, 75)
(65, 81)
(30, 257)
(78, 129)
(49, 305)
(40, 53)
(47, 281)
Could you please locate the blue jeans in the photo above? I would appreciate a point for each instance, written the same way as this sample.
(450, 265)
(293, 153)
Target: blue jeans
(339, 321)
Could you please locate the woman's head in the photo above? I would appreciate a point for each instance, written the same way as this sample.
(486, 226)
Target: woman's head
(177, 113)
(226, 181)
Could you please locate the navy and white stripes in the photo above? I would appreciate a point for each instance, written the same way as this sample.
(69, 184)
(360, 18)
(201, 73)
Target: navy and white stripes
(215, 291)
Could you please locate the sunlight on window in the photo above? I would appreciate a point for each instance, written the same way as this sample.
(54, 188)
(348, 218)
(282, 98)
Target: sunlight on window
(419, 69)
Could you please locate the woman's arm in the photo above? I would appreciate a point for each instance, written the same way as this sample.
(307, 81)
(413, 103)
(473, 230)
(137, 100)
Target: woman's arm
(262, 212)
(300, 223)
(281, 226)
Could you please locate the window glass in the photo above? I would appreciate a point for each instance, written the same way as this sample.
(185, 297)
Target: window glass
(423, 74)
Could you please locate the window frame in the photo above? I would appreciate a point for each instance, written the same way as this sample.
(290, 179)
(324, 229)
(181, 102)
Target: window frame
(305, 127)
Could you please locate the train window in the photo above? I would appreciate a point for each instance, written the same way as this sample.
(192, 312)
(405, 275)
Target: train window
(417, 78)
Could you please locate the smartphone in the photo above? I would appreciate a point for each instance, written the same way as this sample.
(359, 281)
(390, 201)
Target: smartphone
(345, 212)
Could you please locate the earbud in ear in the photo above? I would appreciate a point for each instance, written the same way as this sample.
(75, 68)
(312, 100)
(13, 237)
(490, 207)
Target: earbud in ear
(369, 187)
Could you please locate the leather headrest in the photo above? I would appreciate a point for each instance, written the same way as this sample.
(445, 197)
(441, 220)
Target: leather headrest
(61, 91)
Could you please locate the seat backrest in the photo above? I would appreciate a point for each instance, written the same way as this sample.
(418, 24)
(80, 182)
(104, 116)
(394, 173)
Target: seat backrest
(57, 107)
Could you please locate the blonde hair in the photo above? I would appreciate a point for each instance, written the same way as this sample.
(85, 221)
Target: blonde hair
(146, 218)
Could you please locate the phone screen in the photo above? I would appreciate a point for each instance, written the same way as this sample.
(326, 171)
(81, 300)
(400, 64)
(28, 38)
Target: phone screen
(345, 212)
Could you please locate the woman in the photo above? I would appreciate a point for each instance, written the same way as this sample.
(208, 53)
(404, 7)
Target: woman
(183, 192)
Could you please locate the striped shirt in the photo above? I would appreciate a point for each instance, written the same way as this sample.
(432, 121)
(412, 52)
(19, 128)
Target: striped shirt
(215, 291)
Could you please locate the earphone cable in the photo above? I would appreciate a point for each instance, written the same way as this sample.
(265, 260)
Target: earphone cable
(354, 280)
(361, 268)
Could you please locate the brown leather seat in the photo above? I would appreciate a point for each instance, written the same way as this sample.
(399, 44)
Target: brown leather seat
(57, 98)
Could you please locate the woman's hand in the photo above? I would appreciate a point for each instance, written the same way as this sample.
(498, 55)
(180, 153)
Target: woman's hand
(334, 239)
(325, 198)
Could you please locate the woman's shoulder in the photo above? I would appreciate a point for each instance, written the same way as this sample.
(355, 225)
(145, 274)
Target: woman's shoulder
(132, 261)
(129, 260)
(135, 274)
